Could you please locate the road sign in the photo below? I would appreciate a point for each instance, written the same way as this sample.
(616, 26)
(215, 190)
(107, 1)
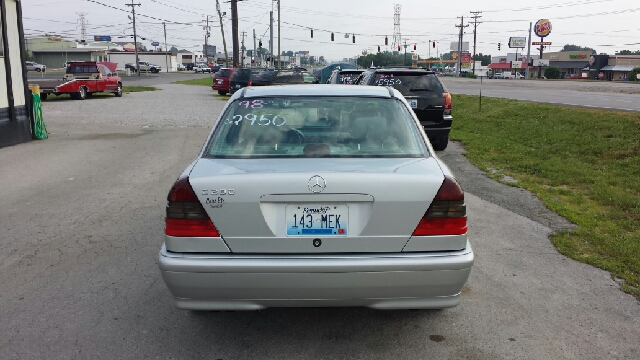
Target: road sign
(102, 38)
(545, 43)
(155, 43)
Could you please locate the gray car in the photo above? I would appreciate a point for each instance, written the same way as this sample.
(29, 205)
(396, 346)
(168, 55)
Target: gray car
(310, 195)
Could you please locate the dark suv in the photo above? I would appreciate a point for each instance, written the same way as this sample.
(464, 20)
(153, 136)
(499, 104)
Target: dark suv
(425, 93)
(242, 78)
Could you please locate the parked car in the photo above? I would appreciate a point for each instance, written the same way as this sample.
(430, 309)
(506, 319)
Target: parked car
(243, 77)
(144, 66)
(189, 66)
(34, 66)
(221, 80)
(346, 76)
(309, 195)
(181, 67)
(264, 78)
(498, 76)
(427, 95)
(69, 62)
(288, 77)
(202, 68)
(214, 68)
(508, 75)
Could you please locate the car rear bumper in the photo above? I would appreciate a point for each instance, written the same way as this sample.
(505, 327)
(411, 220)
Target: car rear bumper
(438, 130)
(253, 282)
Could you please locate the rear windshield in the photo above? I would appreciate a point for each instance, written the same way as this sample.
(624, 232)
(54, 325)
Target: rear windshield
(348, 77)
(316, 127)
(289, 78)
(79, 69)
(408, 83)
(265, 75)
(241, 74)
(223, 73)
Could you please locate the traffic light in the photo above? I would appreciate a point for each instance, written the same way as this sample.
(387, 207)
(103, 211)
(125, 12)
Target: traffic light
(331, 36)
(498, 46)
(398, 47)
(378, 48)
(386, 40)
(434, 44)
(312, 33)
(353, 39)
(259, 43)
(414, 46)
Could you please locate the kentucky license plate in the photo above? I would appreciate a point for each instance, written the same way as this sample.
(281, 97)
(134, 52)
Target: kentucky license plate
(314, 219)
(219, 81)
(413, 104)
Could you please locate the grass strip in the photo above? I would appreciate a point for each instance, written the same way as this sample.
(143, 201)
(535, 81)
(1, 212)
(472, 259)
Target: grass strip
(200, 81)
(584, 164)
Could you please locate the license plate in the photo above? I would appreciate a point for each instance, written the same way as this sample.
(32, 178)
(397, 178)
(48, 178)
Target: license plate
(315, 220)
(219, 81)
(413, 104)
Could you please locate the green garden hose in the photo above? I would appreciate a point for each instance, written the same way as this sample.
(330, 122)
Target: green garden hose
(40, 130)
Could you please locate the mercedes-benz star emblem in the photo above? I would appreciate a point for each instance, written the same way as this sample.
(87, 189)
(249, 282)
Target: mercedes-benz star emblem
(317, 184)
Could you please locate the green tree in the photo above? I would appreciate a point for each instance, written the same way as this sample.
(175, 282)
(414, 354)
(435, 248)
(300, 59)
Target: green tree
(552, 72)
(628, 52)
(571, 47)
(633, 74)
(321, 60)
(486, 59)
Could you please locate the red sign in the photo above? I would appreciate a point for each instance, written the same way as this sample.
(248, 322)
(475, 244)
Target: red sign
(465, 57)
(543, 28)
(541, 43)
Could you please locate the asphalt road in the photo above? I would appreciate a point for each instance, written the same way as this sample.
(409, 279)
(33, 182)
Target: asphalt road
(81, 225)
(600, 94)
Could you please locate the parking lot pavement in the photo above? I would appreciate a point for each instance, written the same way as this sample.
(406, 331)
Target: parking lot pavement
(81, 225)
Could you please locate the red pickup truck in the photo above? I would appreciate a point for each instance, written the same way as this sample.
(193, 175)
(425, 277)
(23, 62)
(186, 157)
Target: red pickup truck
(82, 79)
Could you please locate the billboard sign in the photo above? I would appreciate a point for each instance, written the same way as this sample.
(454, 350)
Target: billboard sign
(543, 28)
(102, 38)
(454, 46)
(465, 57)
(155, 43)
(540, 62)
(516, 64)
(517, 42)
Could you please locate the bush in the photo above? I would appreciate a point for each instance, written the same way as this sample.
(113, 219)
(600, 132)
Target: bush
(472, 75)
(633, 74)
(552, 72)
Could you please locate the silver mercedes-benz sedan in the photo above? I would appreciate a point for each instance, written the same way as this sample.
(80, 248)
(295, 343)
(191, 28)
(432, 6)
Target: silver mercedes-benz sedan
(316, 195)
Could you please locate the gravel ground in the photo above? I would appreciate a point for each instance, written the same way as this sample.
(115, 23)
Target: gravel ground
(574, 85)
(175, 102)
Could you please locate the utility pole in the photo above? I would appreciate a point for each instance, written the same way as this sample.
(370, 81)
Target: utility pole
(271, 38)
(461, 26)
(135, 37)
(207, 34)
(278, 34)
(254, 59)
(526, 72)
(475, 18)
(83, 26)
(242, 48)
(234, 32)
(166, 60)
(404, 62)
(224, 42)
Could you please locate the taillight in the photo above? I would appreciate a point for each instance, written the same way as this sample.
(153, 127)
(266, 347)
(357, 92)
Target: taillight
(185, 215)
(447, 214)
(250, 82)
(448, 104)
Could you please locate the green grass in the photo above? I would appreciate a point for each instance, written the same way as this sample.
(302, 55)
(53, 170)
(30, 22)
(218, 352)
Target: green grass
(201, 82)
(583, 164)
(125, 89)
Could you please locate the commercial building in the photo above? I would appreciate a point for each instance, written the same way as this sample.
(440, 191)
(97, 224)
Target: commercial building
(15, 116)
(54, 51)
(569, 62)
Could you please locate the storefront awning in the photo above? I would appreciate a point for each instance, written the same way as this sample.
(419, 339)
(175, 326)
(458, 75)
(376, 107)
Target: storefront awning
(623, 68)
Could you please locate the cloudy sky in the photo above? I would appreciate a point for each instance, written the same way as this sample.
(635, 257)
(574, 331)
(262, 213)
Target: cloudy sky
(606, 25)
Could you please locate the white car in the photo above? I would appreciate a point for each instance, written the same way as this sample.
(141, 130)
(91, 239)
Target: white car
(181, 67)
(203, 68)
(34, 66)
(307, 195)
